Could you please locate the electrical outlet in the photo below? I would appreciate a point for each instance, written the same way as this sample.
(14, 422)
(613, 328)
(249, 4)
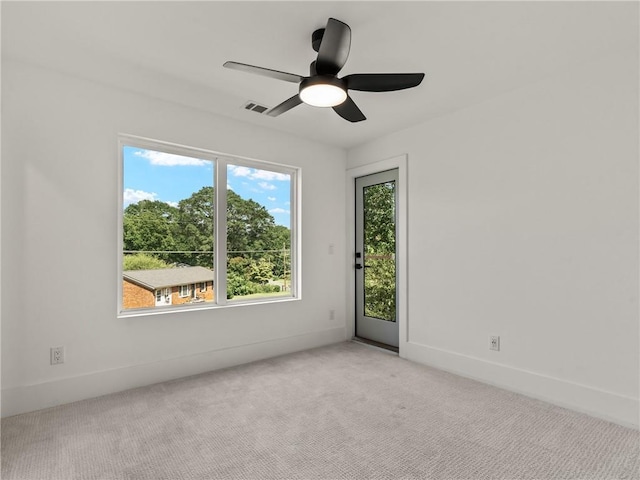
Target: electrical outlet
(494, 343)
(331, 248)
(332, 314)
(57, 355)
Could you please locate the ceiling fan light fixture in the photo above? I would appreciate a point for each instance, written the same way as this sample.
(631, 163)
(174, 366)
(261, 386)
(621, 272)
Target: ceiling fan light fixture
(323, 91)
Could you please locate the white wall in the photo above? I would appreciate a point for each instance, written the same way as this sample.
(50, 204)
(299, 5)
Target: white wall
(523, 223)
(59, 255)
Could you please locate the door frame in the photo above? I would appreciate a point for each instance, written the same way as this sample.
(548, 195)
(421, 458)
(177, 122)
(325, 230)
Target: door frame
(401, 163)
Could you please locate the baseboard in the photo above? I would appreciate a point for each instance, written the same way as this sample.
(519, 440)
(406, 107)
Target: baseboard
(610, 406)
(33, 397)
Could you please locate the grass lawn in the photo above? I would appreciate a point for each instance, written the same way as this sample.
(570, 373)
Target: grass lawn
(261, 295)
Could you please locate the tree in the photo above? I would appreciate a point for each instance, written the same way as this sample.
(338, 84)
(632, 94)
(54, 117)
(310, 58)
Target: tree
(184, 235)
(195, 220)
(379, 214)
(142, 261)
(261, 271)
(149, 226)
(249, 225)
(380, 249)
(281, 258)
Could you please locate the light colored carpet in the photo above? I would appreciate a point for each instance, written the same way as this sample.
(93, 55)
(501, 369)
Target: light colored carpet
(345, 411)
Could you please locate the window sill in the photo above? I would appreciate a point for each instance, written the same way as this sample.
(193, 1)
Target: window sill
(172, 309)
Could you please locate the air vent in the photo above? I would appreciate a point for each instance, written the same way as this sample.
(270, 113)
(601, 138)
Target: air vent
(255, 107)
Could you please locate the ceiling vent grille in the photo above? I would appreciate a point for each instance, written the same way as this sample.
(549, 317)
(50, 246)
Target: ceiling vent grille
(255, 107)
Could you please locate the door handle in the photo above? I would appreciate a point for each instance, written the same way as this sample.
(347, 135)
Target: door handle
(359, 266)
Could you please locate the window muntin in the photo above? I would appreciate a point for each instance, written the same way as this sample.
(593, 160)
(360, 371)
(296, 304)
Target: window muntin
(176, 213)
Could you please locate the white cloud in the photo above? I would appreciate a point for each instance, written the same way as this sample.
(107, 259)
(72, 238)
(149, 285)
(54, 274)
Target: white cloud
(237, 171)
(254, 174)
(269, 176)
(130, 196)
(267, 186)
(169, 159)
(279, 210)
(134, 196)
(271, 199)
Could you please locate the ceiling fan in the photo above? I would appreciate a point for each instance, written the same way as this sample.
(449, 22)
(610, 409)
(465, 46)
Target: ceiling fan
(323, 88)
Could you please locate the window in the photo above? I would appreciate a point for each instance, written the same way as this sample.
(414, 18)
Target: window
(258, 233)
(177, 229)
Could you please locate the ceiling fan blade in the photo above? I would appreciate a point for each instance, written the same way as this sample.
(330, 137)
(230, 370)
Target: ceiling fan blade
(334, 48)
(349, 111)
(383, 82)
(284, 106)
(267, 72)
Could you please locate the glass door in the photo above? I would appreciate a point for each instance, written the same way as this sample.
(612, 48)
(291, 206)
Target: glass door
(375, 262)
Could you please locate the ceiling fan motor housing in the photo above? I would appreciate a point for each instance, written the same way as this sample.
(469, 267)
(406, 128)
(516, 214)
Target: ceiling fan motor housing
(316, 39)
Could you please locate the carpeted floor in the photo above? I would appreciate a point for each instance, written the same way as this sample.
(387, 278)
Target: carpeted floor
(345, 411)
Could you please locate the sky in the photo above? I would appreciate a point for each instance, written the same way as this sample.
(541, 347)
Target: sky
(152, 175)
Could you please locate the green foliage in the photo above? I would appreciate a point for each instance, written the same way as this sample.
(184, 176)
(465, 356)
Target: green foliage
(238, 285)
(249, 225)
(281, 260)
(379, 214)
(379, 288)
(194, 229)
(259, 250)
(261, 271)
(150, 226)
(142, 261)
(380, 249)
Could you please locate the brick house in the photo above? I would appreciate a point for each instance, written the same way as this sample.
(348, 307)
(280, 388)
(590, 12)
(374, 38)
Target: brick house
(166, 286)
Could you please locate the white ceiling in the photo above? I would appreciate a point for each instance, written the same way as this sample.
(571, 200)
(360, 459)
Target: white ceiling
(470, 51)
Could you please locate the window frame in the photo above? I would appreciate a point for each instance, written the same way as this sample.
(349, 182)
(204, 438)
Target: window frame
(220, 164)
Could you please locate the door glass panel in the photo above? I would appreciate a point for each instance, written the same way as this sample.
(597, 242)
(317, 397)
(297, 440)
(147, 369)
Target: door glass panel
(380, 251)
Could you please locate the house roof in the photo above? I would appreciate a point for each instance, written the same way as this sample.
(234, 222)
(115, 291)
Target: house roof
(168, 277)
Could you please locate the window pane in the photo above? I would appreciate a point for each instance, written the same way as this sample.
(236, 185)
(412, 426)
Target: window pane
(167, 228)
(380, 251)
(258, 233)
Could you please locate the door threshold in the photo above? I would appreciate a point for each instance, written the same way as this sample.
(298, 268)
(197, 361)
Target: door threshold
(373, 343)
